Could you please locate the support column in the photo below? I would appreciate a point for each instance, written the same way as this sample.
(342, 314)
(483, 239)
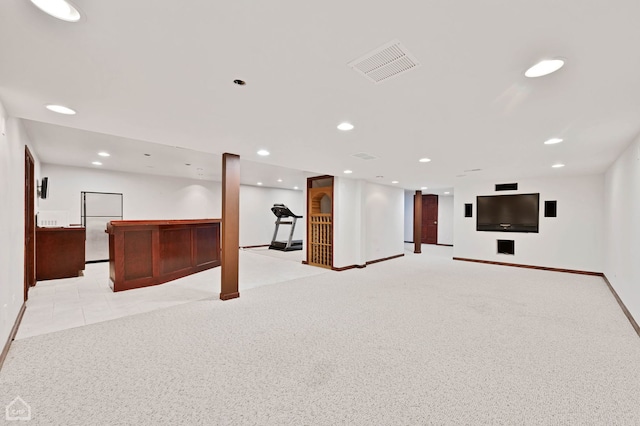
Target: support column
(230, 226)
(417, 222)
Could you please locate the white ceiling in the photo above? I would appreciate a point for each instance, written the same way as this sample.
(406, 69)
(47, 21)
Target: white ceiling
(161, 72)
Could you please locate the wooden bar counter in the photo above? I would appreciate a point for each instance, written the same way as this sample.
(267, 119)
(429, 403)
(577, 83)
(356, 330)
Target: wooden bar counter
(149, 252)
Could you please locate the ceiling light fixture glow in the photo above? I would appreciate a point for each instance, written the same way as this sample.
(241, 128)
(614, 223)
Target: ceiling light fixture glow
(394, 181)
(553, 141)
(104, 154)
(557, 166)
(348, 172)
(279, 180)
(295, 187)
(97, 163)
(424, 160)
(424, 187)
(544, 68)
(447, 193)
(263, 152)
(60, 109)
(345, 126)
(60, 9)
(259, 183)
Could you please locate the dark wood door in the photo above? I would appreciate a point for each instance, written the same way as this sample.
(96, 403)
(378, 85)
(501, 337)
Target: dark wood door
(29, 223)
(430, 219)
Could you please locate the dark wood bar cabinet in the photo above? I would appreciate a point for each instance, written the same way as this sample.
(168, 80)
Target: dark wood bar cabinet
(150, 252)
(59, 252)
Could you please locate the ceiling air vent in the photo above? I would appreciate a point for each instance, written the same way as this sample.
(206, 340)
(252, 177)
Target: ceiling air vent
(364, 156)
(385, 62)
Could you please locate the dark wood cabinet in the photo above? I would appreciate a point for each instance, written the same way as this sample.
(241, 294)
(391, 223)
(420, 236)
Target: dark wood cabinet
(144, 253)
(59, 252)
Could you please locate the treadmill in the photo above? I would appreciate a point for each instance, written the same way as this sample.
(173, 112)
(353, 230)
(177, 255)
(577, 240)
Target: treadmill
(282, 212)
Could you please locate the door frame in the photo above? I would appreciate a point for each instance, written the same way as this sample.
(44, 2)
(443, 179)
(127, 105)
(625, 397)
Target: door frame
(29, 223)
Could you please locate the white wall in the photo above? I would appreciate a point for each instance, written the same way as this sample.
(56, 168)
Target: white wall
(144, 196)
(383, 213)
(12, 154)
(148, 197)
(573, 240)
(408, 216)
(368, 222)
(257, 222)
(348, 238)
(622, 227)
(445, 218)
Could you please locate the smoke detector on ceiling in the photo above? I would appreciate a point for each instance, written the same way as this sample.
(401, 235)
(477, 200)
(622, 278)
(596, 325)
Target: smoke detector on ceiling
(387, 61)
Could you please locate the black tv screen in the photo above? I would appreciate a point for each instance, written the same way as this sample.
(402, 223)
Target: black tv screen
(44, 188)
(508, 213)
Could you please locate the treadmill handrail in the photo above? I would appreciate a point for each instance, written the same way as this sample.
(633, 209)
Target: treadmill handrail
(280, 210)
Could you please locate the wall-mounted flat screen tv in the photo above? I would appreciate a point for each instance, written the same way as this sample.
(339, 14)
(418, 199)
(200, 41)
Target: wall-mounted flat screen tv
(508, 213)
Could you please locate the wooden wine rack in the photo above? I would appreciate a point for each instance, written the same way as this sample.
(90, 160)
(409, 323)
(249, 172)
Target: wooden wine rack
(320, 223)
(321, 240)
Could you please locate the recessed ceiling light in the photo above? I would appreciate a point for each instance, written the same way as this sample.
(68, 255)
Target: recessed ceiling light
(259, 183)
(553, 141)
(348, 172)
(97, 163)
(424, 187)
(447, 193)
(60, 109)
(557, 166)
(279, 180)
(424, 160)
(104, 154)
(60, 9)
(394, 181)
(544, 67)
(295, 187)
(263, 152)
(345, 126)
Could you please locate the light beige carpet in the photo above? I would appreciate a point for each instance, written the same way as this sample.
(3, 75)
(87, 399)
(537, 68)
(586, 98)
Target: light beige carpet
(416, 340)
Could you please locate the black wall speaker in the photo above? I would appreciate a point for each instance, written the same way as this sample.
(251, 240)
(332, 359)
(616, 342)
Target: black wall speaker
(468, 210)
(506, 247)
(506, 186)
(550, 208)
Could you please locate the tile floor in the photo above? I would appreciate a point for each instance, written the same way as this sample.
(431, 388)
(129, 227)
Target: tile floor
(56, 305)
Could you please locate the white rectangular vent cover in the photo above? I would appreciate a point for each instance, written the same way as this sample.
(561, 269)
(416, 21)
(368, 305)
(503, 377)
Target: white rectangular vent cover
(364, 156)
(385, 62)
